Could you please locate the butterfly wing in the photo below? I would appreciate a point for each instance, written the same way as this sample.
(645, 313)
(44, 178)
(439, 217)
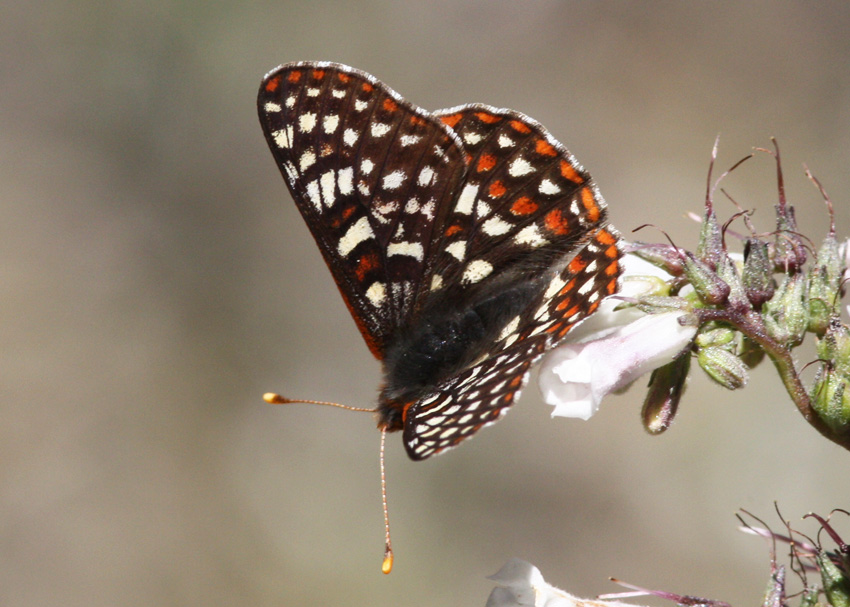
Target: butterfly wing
(373, 177)
(527, 208)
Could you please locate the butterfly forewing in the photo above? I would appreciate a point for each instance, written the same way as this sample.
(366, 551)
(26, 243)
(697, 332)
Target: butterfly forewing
(373, 177)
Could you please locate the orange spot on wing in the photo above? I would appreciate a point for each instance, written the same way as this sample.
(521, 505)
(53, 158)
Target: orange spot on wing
(294, 76)
(452, 119)
(271, 85)
(612, 252)
(523, 206)
(577, 265)
(567, 287)
(318, 74)
(488, 118)
(343, 77)
(515, 382)
(611, 287)
(497, 188)
(367, 87)
(452, 230)
(605, 237)
(520, 126)
(589, 203)
(365, 265)
(347, 212)
(390, 105)
(568, 171)
(556, 222)
(545, 148)
(486, 162)
(417, 120)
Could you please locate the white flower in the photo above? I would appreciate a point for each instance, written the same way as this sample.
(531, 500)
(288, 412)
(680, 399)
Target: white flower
(616, 348)
(520, 584)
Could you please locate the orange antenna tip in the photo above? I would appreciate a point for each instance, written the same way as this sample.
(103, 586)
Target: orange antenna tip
(274, 399)
(387, 565)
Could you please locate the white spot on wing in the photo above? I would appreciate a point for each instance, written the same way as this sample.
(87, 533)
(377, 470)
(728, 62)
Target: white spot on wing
(426, 176)
(283, 137)
(360, 105)
(476, 270)
(411, 249)
(530, 235)
(407, 140)
(376, 293)
(359, 232)
(272, 107)
(290, 101)
(307, 122)
(436, 282)
(338, 93)
(495, 227)
(457, 249)
(505, 141)
(466, 199)
(471, 137)
(313, 194)
(520, 167)
(344, 181)
(394, 180)
(366, 166)
(328, 182)
(307, 160)
(329, 123)
(349, 137)
(313, 92)
(547, 186)
(379, 129)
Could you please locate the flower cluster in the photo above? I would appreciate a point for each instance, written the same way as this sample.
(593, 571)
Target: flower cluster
(724, 310)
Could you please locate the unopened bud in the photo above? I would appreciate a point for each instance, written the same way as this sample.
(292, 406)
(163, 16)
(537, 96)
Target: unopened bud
(824, 284)
(664, 256)
(786, 315)
(666, 386)
(758, 273)
(723, 366)
(836, 585)
(709, 287)
(715, 337)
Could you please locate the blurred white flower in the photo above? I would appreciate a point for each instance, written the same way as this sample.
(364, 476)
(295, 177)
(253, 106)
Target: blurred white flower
(615, 347)
(520, 584)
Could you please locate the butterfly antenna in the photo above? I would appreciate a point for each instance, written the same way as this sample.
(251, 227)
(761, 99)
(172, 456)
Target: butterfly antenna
(277, 399)
(387, 565)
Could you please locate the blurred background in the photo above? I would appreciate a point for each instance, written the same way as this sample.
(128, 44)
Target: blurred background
(157, 280)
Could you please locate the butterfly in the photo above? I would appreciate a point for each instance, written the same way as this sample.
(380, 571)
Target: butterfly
(465, 242)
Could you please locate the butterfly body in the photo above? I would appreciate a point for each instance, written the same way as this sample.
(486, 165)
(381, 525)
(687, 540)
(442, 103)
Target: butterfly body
(465, 242)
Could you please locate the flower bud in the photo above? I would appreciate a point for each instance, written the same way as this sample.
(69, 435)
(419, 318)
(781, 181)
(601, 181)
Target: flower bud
(831, 400)
(666, 386)
(664, 256)
(758, 273)
(710, 248)
(710, 288)
(789, 247)
(786, 315)
(836, 585)
(824, 284)
(723, 366)
(715, 337)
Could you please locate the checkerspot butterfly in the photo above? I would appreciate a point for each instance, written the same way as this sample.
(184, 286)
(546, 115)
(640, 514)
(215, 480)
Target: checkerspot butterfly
(466, 242)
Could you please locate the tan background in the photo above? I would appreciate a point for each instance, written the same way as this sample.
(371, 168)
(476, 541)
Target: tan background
(157, 279)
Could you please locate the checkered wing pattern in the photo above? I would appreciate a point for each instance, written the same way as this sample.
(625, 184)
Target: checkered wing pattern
(427, 218)
(480, 395)
(373, 177)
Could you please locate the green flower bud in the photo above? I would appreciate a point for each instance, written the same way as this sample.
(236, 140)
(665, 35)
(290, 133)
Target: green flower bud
(758, 273)
(831, 400)
(666, 386)
(710, 248)
(786, 315)
(836, 585)
(665, 256)
(710, 288)
(824, 284)
(723, 366)
(716, 337)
